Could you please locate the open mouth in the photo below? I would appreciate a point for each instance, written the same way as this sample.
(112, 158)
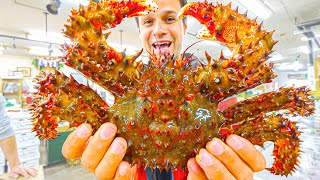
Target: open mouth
(162, 47)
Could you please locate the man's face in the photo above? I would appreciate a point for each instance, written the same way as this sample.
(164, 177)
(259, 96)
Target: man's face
(162, 32)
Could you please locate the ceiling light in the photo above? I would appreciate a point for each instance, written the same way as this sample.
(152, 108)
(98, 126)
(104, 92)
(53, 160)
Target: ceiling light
(304, 38)
(296, 65)
(40, 51)
(56, 53)
(53, 6)
(276, 56)
(257, 7)
(303, 49)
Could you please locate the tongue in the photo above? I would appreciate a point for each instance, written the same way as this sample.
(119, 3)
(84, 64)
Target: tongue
(162, 49)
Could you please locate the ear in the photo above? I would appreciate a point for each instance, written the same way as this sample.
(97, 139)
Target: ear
(185, 27)
(138, 24)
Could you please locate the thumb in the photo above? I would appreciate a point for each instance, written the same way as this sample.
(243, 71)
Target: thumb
(76, 142)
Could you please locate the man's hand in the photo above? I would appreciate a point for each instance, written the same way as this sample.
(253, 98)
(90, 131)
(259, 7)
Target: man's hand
(18, 170)
(101, 154)
(237, 159)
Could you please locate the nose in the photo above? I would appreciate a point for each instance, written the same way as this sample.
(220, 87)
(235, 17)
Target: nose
(159, 29)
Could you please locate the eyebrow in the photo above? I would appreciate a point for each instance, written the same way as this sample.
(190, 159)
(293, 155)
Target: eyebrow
(170, 11)
(165, 12)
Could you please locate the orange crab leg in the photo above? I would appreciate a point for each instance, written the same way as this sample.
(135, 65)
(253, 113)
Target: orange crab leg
(277, 129)
(295, 99)
(62, 99)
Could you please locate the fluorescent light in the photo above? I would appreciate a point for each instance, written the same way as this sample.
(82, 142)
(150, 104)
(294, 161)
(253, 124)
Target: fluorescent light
(257, 7)
(50, 37)
(304, 38)
(303, 49)
(294, 66)
(40, 51)
(56, 52)
(275, 56)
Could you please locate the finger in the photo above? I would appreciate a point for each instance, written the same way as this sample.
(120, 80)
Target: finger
(74, 146)
(230, 159)
(13, 175)
(123, 171)
(98, 146)
(32, 171)
(111, 160)
(212, 167)
(247, 152)
(22, 172)
(195, 171)
(134, 170)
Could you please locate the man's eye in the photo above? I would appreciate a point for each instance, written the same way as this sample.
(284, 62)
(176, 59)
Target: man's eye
(147, 22)
(170, 19)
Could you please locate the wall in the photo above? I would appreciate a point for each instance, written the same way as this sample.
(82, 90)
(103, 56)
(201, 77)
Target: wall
(10, 63)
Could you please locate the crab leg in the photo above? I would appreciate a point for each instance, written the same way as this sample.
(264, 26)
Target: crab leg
(277, 129)
(90, 54)
(60, 98)
(295, 99)
(246, 68)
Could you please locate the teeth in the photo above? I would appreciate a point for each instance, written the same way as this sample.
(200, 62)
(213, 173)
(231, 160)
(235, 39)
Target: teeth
(161, 43)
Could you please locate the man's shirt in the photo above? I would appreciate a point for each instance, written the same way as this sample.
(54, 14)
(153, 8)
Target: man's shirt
(5, 128)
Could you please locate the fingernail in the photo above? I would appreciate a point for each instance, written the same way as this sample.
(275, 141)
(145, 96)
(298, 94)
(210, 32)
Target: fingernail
(107, 132)
(116, 147)
(194, 167)
(83, 131)
(123, 170)
(216, 147)
(235, 143)
(205, 157)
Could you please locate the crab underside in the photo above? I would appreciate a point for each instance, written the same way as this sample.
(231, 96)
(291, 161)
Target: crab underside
(167, 110)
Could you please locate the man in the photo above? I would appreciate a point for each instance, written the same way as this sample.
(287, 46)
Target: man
(9, 146)
(162, 33)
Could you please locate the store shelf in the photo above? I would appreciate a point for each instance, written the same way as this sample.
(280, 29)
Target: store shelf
(11, 88)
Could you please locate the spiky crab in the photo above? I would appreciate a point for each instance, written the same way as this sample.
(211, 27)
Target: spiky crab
(165, 107)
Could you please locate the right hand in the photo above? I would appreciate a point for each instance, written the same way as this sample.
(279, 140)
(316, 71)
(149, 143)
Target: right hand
(102, 153)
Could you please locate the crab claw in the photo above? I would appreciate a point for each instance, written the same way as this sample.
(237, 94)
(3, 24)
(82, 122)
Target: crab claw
(203, 12)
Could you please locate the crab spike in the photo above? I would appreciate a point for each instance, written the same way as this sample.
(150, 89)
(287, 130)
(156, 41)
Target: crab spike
(245, 13)
(208, 57)
(260, 26)
(237, 9)
(237, 39)
(107, 35)
(229, 5)
(222, 56)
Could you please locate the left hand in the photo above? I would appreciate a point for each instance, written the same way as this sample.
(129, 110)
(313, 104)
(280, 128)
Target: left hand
(237, 159)
(18, 170)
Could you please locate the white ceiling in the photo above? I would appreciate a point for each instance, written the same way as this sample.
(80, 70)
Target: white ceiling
(18, 17)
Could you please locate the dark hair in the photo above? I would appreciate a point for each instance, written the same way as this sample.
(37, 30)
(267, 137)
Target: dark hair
(182, 3)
